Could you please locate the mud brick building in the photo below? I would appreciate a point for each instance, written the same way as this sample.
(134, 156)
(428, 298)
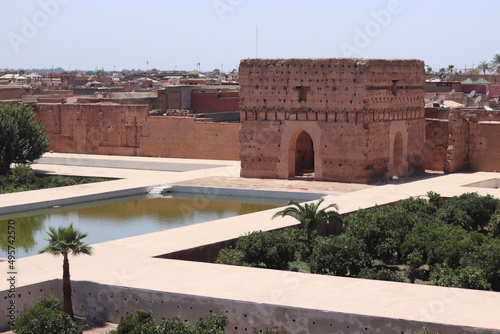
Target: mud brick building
(343, 119)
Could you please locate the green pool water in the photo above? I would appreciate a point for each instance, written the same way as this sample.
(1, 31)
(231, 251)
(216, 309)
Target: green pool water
(124, 217)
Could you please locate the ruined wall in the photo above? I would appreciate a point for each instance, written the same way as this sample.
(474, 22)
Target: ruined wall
(458, 144)
(464, 140)
(436, 143)
(185, 137)
(117, 129)
(11, 93)
(351, 108)
(484, 152)
(215, 101)
(175, 97)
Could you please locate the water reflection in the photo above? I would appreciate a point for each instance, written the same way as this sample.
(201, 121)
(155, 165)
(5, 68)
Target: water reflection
(25, 230)
(120, 218)
(166, 210)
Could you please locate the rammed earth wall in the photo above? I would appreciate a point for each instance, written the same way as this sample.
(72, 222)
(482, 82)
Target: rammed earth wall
(127, 129)
(365, 117)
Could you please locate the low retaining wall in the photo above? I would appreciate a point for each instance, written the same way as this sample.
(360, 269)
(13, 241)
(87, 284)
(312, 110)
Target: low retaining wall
(25, 297)
(108, 303)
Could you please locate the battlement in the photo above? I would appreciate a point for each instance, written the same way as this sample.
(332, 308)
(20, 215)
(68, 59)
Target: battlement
(280, 89)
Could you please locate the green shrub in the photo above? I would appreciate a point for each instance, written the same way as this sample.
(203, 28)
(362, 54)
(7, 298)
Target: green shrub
(274, 249)
(23, 178)
(463, 277)
(383, 229)
(494, 225)
(137, 323)
(441, 243)
(470, 211)
(56, 181)
(46, 317)
(417, 205)
(210, 324)
(485, 257)
(175, 325)
(142, 322)
(435, 199)
(22, 175)
(383, 274)
(230, 256)
(87, 180)
(339, 256)
(20, 178)
(425, 331)
(414, 262)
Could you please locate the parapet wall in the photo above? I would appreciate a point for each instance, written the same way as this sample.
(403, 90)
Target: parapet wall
(332, 85)
(116, 129)
(103, 302)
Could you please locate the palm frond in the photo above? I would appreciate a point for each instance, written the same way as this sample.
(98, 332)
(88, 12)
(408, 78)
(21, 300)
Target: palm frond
(66, 240)
(309, 214)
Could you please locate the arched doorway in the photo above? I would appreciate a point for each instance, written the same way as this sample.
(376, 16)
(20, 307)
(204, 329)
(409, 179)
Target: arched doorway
(398, 156)
(302, 156)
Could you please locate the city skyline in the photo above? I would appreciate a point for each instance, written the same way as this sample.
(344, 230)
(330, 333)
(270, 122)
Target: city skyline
(211, 34)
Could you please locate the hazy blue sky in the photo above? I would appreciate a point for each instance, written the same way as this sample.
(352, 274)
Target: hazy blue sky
(85, 34)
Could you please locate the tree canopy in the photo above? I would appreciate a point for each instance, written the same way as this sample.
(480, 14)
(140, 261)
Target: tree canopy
(22, 139)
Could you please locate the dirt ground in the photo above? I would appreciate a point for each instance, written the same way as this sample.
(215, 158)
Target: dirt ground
(89, 326)
(296, 185)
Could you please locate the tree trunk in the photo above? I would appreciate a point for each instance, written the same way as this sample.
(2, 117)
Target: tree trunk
(67, 305)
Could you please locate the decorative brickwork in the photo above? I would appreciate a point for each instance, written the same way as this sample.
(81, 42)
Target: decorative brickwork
(352, 109)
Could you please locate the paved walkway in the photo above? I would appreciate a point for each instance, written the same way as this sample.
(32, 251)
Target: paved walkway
(117, 262)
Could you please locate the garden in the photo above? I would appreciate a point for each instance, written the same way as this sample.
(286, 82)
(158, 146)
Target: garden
(452, 243)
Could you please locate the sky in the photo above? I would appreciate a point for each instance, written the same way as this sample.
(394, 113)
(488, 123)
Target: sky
(180, 34)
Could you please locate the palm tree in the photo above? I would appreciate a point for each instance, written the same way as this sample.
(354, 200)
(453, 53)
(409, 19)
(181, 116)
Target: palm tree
(450, 68)
(484, 66)
(63, 241)
(495, 63)
(310, 216)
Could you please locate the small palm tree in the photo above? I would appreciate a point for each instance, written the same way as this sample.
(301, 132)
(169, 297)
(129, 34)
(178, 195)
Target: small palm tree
(495, 63)
(450, 68)
(66, 240)
(310, 216)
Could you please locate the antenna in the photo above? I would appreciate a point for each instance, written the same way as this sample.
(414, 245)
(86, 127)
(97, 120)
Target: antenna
(452, 92)
(471, 94)
(478, 99)
(257, 42)
(441, 99)
(487, 94)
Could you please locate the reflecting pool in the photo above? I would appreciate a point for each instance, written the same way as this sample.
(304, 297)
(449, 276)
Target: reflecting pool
(124, 217)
